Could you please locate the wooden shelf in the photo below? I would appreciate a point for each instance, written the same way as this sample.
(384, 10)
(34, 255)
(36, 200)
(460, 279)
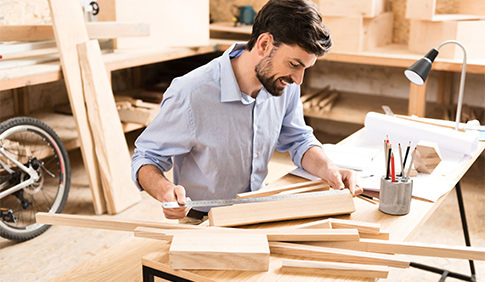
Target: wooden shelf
(353, 107)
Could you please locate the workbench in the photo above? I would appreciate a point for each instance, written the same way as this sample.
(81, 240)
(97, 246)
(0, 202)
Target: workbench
(123, 262)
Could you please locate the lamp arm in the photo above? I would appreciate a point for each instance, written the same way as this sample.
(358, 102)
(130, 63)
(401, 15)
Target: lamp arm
(462, 80)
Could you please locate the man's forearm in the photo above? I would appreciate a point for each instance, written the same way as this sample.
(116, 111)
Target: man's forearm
(315, 161)
(154, 182)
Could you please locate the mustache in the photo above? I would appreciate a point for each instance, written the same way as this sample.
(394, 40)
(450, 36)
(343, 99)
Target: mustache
(287, 79)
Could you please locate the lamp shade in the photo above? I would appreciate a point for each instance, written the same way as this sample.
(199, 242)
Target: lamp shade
(418, 72)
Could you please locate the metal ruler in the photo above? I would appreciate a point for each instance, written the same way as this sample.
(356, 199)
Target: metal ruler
(228, 202)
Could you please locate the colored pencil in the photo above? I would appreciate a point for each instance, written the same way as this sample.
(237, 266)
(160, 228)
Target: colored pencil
(400, 160)
(393, 171)
(411, 164)
(406, 154)
(388, 161)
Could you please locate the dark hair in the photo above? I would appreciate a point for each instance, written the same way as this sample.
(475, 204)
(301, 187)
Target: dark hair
(292, 22)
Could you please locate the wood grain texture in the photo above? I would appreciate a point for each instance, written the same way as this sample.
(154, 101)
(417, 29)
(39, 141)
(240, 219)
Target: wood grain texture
(337, 255)
(363, 227)
(70, 30)
(219, 251)
(243, 214)
(109, 139)
(366, 8)
(276, 190)
(335, 268)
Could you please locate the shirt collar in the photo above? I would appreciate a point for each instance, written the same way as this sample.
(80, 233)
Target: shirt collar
(230, 90)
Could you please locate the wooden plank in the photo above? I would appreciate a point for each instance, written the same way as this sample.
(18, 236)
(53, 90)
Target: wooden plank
(363, 227)
(420, 9)
(383, 235)
(96, 30)
(276, 190)
(111, 148)
(243, 214)
(366, 8)
(219, 251)
(107, 223)
(337, 255)
(323, 223)
(138, 115)
(69, 29)
(335, 268)
(283, 234)
(417, 100)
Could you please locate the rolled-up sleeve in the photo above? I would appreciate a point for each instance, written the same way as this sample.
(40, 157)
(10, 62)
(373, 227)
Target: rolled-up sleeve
(169, 134)
(296, 137)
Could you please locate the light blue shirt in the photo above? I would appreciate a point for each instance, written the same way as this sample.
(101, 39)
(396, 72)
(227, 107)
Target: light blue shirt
(218, 139)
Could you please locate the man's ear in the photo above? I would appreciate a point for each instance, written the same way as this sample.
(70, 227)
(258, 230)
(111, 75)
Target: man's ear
(264, 44)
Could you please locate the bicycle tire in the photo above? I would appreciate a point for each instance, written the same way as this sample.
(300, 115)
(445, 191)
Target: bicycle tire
(27, 138)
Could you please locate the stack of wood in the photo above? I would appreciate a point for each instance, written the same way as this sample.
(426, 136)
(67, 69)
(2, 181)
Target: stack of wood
(429, 29)
(357, 25)
(320, 101)
(136, 110)
(330, 246)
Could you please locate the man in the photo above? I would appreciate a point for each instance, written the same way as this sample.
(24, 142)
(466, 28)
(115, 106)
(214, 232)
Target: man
(222, 122)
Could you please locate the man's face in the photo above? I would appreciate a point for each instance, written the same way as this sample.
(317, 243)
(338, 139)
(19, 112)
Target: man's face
(283, 65)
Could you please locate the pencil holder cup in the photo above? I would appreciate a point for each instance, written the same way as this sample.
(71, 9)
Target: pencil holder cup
(395, 197)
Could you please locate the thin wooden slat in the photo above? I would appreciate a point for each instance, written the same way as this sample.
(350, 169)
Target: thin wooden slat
(70, 30)
(96, 30)
(273, 191)
(337, 255)
(244, 214)
(335, 268)
(109, 139)
(363, 227)
(284, 234)
(219, 251)
(107, 223)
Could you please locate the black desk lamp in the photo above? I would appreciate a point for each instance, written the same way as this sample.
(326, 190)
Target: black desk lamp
(418, 73)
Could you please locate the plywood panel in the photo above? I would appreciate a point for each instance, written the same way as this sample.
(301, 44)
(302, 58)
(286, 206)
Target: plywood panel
(109, 139)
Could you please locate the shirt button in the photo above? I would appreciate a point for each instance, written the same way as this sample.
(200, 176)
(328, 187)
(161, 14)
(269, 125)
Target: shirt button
(255, 127)
(252, 180)
(255, 156)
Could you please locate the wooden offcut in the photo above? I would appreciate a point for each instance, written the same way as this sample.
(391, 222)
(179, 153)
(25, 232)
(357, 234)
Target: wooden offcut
(219, 251)
(425, 10)
(251, 213)
(70, 30)
(337, 255)
(427, 157)
(317, 184)
(335, 268)
(366, 8)
(111, 148)
(283, 234)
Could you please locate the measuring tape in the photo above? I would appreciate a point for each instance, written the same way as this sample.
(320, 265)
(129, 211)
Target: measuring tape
(228, 202)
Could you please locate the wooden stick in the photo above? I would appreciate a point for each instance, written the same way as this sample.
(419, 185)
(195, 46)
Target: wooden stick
(284, 234)
(96, 30)
(107, 223)
(335, 268)
(418, 249)
(337, 255)
(363, 227)
(273, 191)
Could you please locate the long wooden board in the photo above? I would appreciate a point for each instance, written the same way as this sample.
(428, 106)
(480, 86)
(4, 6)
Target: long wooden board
(219, 251)
(251, 213)
(284, 234)
(109, 139)
(96, 30)
(105, 222)
(70, 30)
(337, 255)
(335, 268)
(276, 190)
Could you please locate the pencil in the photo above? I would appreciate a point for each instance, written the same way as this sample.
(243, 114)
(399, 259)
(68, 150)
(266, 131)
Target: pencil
(411, 164)
(400, 160)
(388, 160)
(393, 171)
(406, 155)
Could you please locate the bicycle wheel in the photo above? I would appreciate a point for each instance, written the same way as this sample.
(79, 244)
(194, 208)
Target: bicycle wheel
(33, 144)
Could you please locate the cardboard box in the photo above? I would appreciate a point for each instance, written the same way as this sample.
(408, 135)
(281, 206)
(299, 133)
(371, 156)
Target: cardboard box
(357, 34)
(181, 23)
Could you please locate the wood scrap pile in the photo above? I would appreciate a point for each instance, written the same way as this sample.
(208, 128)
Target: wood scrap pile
(320, 101)
(325, 247)
(136, 110)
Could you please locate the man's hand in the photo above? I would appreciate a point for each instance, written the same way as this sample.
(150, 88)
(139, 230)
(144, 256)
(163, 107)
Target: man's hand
(177, 194)
(340, 178)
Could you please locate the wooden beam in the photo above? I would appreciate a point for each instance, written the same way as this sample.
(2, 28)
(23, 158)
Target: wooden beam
(363, 227)
(335, 268)
(337, 255)
(408, 248)
(109, 139)
(284, 234)
(70, 30)
(96, 30)
(273, 191)
(219, 251)
(243, 214)
(417, 100)
(107, 223)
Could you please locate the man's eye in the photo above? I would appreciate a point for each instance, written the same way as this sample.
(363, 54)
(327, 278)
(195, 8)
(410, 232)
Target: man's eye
(293, 65)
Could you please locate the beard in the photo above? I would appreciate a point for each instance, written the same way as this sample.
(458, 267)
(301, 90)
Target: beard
(263, 72)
